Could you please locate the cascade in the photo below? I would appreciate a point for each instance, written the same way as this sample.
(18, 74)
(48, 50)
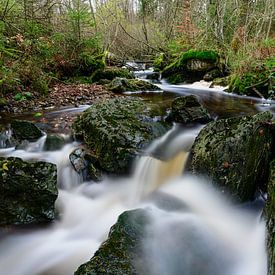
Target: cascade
(207, 236)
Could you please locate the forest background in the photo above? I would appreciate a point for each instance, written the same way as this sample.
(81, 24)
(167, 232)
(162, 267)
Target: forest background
(46, 41)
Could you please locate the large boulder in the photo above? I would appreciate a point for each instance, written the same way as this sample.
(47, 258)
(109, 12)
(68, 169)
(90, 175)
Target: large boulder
(121, 252)
(192, 66)
(187, 109)
(27, 191)
(120, 85)
(234, 153)
(25, 130)
(270, 216)
(115, 131)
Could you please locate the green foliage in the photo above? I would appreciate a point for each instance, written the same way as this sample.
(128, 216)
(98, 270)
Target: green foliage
(258, 79)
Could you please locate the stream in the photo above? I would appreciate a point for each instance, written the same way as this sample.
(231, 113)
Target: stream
(215, 236)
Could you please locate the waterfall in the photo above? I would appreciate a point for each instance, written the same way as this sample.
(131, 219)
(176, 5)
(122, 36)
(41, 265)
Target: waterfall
(208, 235)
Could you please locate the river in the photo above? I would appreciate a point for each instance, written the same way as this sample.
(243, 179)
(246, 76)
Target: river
(215, 236)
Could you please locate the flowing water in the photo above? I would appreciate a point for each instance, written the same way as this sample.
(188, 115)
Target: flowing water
(194, 230)
(206, 236)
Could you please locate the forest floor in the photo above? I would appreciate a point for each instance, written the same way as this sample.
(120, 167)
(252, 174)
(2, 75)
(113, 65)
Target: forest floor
(60, 95)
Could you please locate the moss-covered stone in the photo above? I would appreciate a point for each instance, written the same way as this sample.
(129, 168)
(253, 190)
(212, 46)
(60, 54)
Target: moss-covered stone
(54, 142)
(270, 216)
(160, 62)
(115, 131)
(190, 66)
(25, 130)
(120, 85)
(110, 73)
(234, 153)
(187, 109)
(122, 250)
(27, 191)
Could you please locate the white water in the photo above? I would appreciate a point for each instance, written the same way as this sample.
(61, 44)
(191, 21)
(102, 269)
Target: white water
(207, 235)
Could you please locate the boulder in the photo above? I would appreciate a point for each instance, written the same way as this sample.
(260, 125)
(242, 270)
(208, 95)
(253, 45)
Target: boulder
(191, 66)
(120, 85)
(110, 73)
(27, 191)
(25, 130)
(220, 81)
(120, 253)
(270, 216)
(187, 109)
(209, 76)
(86, 165)
(54, 142)
(116, 130)
(234, 153)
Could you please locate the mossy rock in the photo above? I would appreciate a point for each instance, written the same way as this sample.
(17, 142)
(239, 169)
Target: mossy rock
(120, 85)
(28, 191)
(187, 109)
(160, 62)
(25, 130)
(116, 130)
(270, 216)
(120, 253)
(110, 73)
(191, 66)
(54, 142)
(234, 153)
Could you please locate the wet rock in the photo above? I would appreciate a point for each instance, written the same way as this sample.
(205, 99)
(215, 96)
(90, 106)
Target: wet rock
(25, 130)
(86, 165)
(120, 253)
(187, 109)
(234, 153)
(120, 85)
(153, 76)
(270, 216)
(54, 142)
(116, 130)
(220, 81)
(6, 139)
(110, 73)
(209, 76)
(191, 66)
(27, 191)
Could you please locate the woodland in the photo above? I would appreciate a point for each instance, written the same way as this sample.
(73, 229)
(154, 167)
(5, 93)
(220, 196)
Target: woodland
(44, 42)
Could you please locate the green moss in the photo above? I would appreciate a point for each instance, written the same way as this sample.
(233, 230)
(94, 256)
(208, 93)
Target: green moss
(260, 81)
(160, 62)
(178, 71)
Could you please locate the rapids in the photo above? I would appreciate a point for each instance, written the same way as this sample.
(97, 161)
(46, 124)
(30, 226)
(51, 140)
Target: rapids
(207, 235)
